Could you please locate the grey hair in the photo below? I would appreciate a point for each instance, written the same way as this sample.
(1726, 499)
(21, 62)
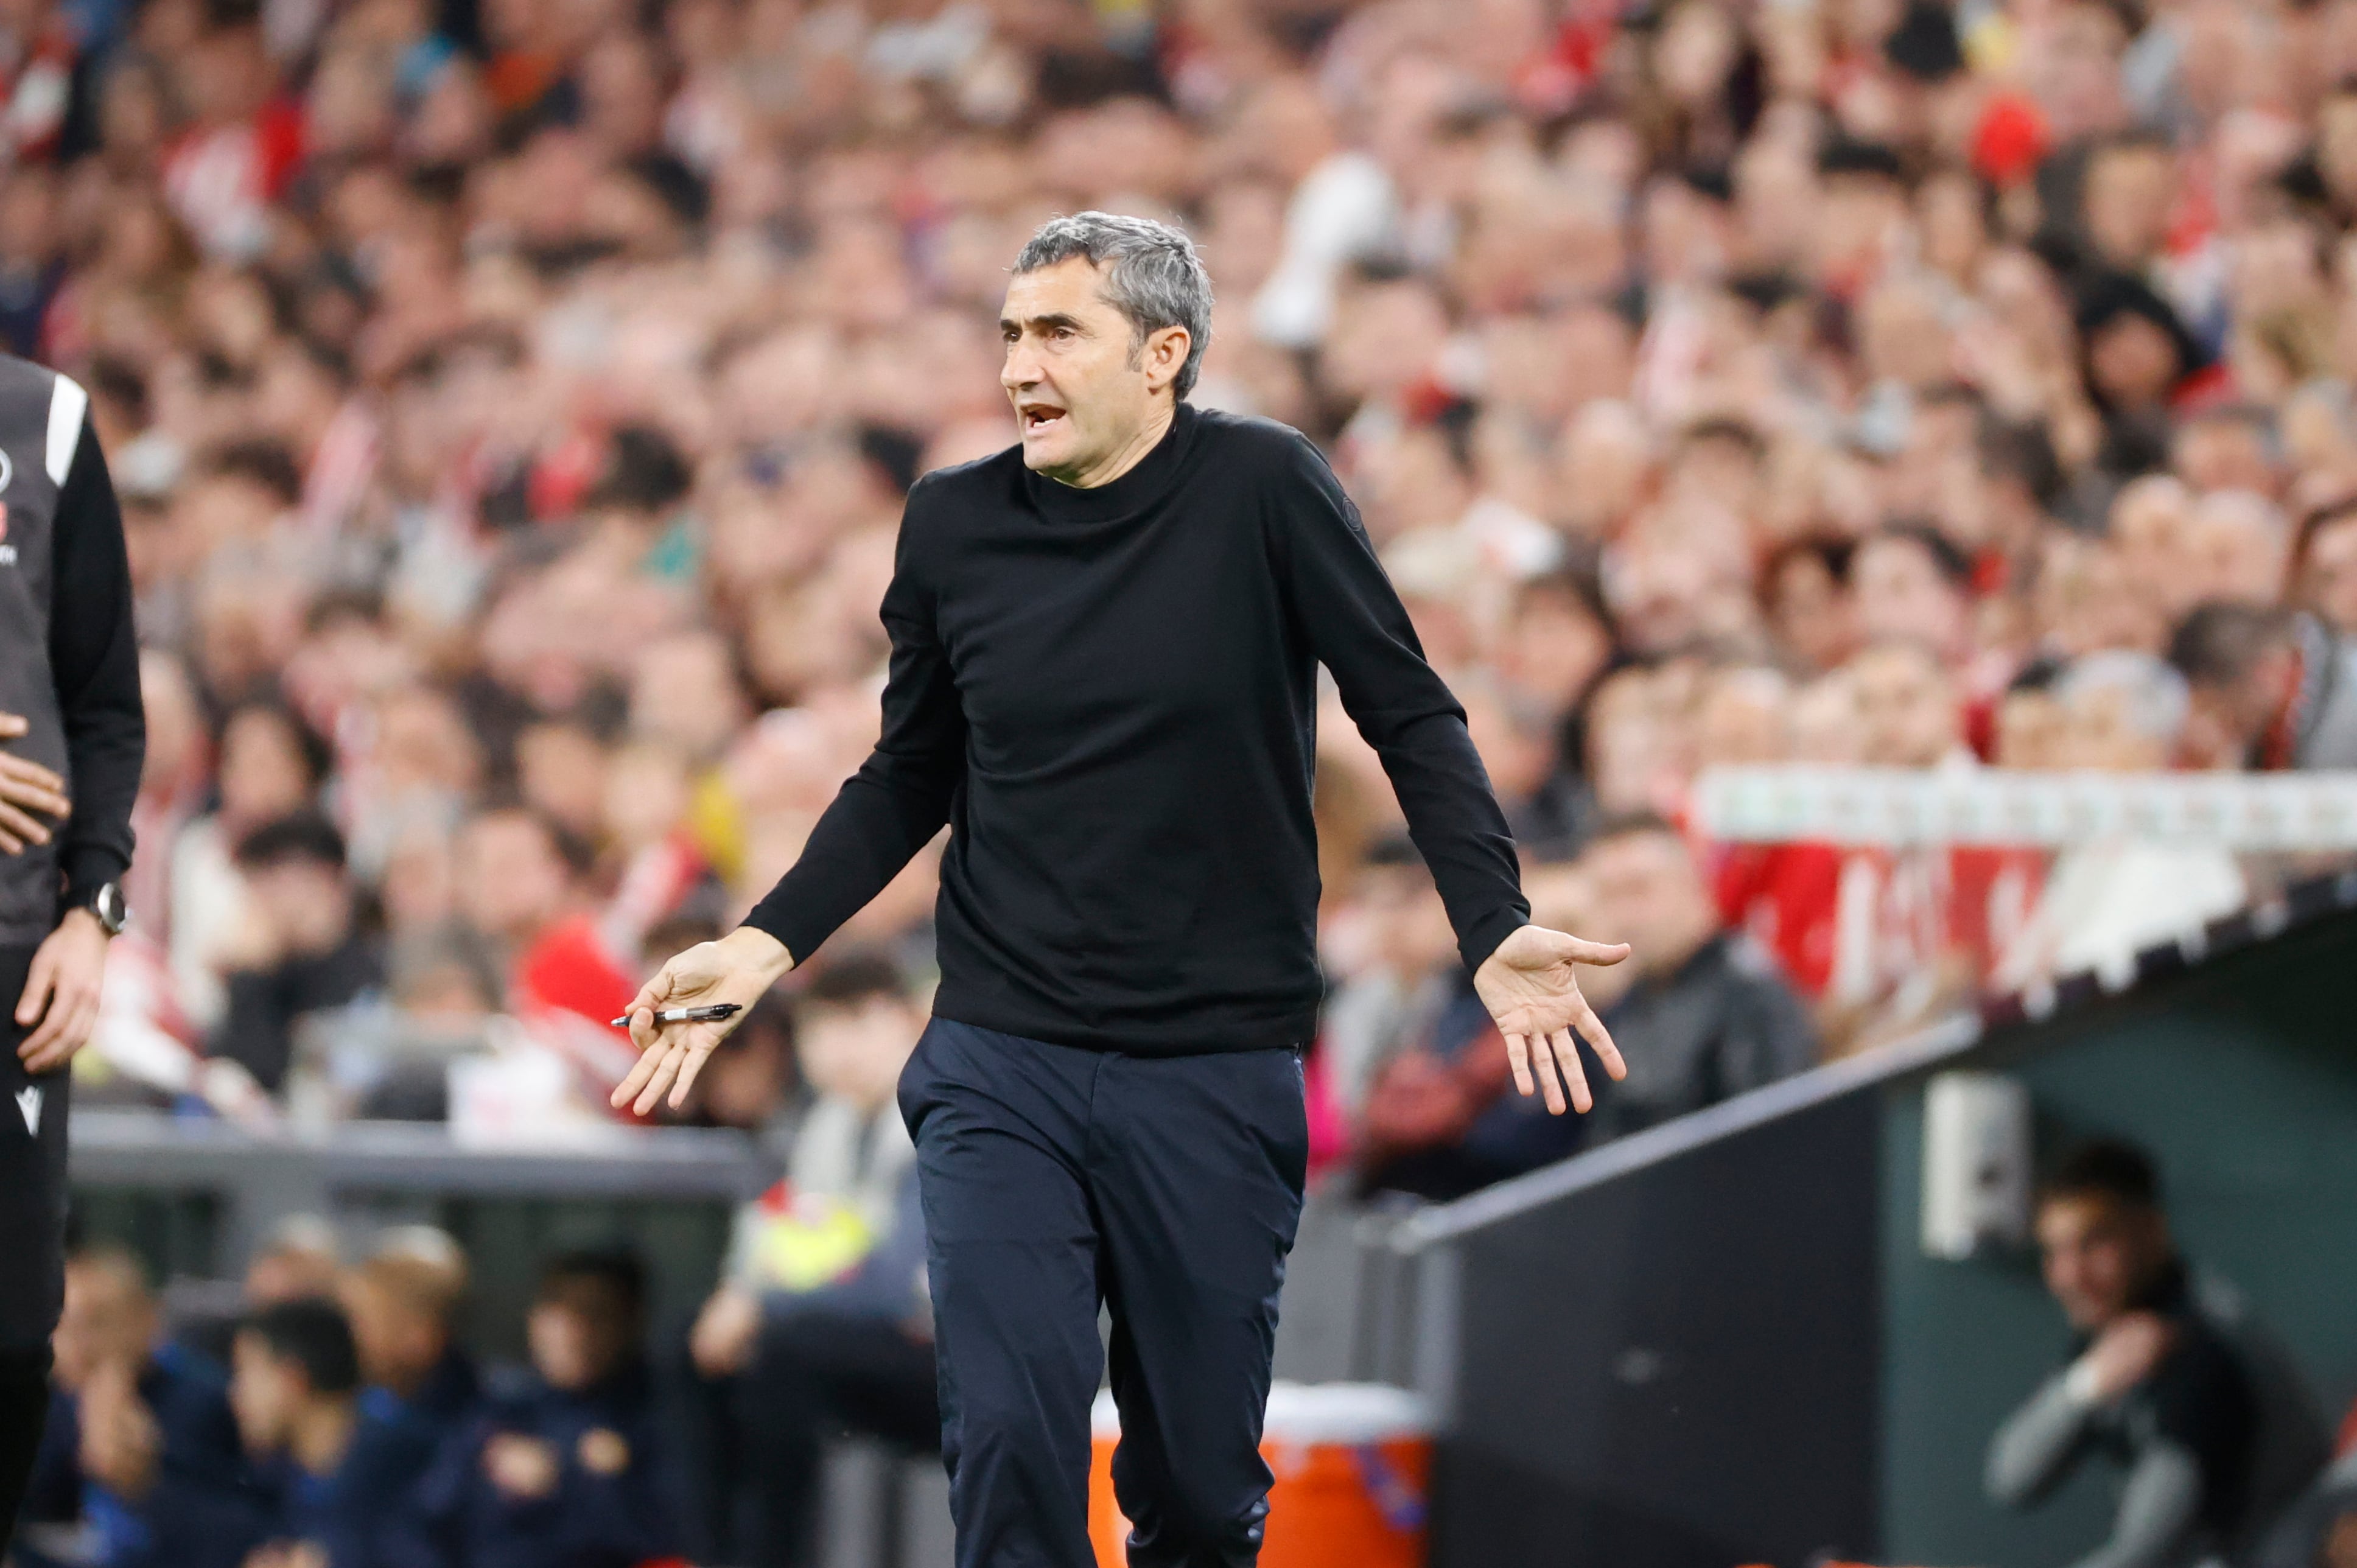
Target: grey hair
(2154, 696)
(1153, 276)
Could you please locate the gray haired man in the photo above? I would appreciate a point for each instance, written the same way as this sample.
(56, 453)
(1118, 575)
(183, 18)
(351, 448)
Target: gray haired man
(1105, 645)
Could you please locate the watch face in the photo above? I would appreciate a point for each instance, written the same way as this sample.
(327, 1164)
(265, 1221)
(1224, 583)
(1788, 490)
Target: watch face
(110, 908)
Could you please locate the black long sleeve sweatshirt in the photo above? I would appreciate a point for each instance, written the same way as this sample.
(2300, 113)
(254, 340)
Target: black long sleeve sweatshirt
(94, 660)
(1110, 696)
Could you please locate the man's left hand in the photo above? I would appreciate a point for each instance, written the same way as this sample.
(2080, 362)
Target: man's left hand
(1531, 986)
(61, 992)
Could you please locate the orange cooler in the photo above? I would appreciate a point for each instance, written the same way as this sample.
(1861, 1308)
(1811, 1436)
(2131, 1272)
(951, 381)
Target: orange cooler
(1353, 1466)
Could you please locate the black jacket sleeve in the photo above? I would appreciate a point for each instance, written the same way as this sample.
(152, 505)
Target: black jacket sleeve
(95, 660)
(1361, 632)
(901, 796)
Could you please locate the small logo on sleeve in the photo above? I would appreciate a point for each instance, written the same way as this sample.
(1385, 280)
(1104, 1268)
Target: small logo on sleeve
(29, 1105)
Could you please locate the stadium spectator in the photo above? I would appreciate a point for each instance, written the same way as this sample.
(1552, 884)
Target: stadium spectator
(141, 1449)
(269, 766)
(1706, 1014)
(303, 953)
(1436, 1120)
(2325, 566)
(562, 1468)
(517, 881)
(519, 889)
(1410, 1059)
(2271, 688)
(1907, 582)
(2160, 1382)
(821, 1323)
(2104, 900)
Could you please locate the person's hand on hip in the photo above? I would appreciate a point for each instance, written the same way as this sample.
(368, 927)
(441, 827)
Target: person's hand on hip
(29, 792)
(61, 991)
(737, 968)
(1531, 986)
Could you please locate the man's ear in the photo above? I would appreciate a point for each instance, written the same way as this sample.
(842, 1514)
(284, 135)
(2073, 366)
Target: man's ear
(1167, 348)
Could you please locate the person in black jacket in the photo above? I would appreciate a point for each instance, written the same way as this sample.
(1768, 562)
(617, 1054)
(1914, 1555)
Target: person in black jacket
(1708, 1015)
(309, 954)
(1105, 642)
(71, 735)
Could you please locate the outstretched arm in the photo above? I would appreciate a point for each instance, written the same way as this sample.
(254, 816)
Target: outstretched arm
(1526, 974)
(882, 816)
(2041, 1442)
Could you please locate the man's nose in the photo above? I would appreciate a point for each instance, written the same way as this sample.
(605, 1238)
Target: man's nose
(1021, 369)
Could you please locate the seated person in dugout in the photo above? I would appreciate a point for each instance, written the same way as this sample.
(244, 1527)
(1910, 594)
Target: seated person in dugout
(335, 1465)
(2169, 1380)
(401, 1303)
(563, 1466)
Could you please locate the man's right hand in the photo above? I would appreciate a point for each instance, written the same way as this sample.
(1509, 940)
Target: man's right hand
(737, 968)
(2125, 1353)
(28, 792)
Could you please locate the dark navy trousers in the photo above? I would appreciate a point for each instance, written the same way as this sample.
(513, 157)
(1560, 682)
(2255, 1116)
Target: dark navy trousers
(1166, 1188)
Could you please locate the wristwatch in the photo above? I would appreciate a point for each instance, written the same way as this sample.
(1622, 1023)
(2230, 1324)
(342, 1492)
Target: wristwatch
(107, 904)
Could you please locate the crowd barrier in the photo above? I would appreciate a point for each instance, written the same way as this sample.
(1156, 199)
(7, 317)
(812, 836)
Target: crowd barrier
(1897, 808)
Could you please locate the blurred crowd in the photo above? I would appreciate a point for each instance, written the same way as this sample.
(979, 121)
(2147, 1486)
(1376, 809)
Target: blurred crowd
(510, 402)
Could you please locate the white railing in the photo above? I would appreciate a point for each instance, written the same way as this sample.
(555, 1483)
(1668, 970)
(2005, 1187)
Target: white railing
(1895, 806)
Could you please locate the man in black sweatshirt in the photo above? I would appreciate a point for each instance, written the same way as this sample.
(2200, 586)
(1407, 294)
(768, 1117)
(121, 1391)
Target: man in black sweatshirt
(1105, 651)
(71, 735)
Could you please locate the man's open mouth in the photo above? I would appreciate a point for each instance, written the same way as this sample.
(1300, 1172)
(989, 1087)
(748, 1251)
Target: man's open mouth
(1037, 417)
